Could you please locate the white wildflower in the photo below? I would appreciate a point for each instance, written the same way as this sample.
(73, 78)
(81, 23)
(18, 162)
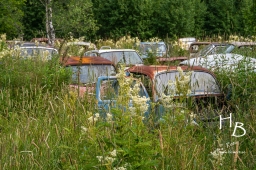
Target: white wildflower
(84, 129)
(109, 117)
(167, 100)
(92, 119)
(132, 110)
(36, 43)
(100, 158)
(192, 115)
(179, 70)
(97, 115)
(113, 153)
(218, 156)
(120, 168)
(109, 159)
(3, 37)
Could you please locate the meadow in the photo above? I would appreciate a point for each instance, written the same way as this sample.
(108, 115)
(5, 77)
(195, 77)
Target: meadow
(44, 125)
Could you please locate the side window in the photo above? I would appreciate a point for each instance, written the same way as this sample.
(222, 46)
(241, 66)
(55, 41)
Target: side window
(115, 57)
(146, 81)
(109, 89)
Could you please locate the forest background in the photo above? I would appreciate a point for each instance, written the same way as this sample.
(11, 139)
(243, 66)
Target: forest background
(103, 19)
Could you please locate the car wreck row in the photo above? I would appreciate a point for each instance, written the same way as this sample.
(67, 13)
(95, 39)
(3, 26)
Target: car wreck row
(204, 88)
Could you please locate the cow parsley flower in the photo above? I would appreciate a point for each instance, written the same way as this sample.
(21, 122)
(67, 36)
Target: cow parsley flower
(94, 118)
(120, 168)
(109, 159)
(100, 158)
(218, 156)
(113, 153)
(3, 37)
(84, 129)
(109, 117)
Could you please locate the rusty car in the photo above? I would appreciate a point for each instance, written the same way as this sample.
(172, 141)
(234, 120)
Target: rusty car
(95, 77)
(205, 91)
(86, 70)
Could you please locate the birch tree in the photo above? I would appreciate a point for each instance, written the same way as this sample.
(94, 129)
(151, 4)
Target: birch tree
(49, 21)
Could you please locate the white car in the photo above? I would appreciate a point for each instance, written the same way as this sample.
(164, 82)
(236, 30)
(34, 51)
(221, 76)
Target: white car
(129, 57)
(224, 56)
(46, 53)
(228, 61)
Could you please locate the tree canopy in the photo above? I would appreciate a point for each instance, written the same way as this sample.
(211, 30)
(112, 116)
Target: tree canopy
(96, 19)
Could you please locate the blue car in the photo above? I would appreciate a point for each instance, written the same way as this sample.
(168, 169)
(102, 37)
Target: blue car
(107, 92)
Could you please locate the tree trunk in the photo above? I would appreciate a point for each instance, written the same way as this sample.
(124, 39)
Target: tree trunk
(49, 26)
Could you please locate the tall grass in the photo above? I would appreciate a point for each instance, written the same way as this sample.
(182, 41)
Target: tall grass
(44, 125)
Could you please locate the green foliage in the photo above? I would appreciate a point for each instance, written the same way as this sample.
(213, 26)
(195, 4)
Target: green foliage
(33, 20)
(11, 18)
(105, 19)
(248, 16)
(75, 17)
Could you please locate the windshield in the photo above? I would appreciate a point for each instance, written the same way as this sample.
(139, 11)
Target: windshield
(215, 49)
(205, 50)
(109, 89)
(201, 83)
(157, 48)
(127, 57)
(89, 73)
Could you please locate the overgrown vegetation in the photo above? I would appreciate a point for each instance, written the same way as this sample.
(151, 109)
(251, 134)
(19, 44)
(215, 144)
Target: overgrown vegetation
(44, 125)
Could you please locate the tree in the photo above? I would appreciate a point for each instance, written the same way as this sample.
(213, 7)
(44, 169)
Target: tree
(223, 17)
(11, 18)
(34, 19)
(248, 16)
(48, 24)
(74, 16)
(174, 17)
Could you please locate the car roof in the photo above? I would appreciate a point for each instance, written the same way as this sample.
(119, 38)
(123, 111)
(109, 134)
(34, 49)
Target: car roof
(114, 50)
(161, 42)
(44, 39)
(171, 59)
(201, 43)
(152, 70)
(39, 47)
(82, 43)
(239, 43)
(75, 60)
(32, 44)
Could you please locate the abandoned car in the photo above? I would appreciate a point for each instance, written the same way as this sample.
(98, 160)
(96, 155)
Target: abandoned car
(204, 90)
(118, 56)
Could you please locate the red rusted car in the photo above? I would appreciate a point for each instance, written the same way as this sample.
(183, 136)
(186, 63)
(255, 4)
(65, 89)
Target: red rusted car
(86, 70)
(205, 90)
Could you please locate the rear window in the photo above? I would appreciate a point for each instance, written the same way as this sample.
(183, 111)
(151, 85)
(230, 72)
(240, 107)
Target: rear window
(109, 89)
(89, 73)
(34, 52)
(127, 57)
(201, 83)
